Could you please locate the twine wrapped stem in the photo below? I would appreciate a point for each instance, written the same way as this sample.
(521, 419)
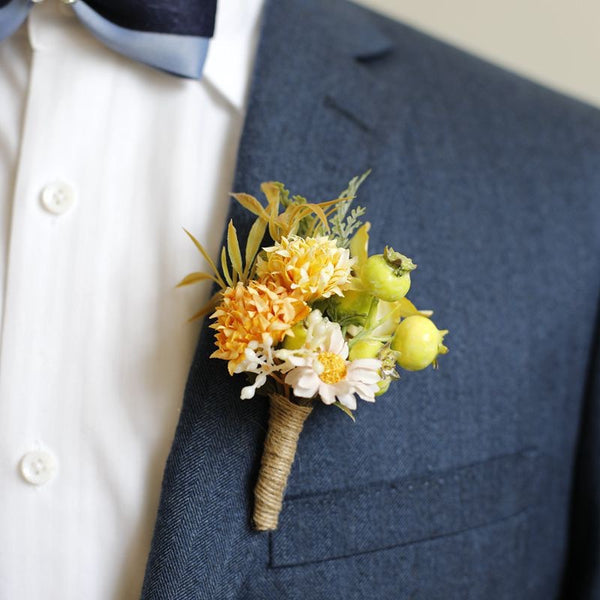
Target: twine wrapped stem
(286, 421)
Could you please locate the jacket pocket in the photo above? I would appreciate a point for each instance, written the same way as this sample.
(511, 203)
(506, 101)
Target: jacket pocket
(339, 524)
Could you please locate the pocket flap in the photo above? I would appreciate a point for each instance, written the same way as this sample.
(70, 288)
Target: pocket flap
(342, 523)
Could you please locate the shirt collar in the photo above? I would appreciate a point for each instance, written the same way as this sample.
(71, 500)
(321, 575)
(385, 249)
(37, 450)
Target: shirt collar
(231, 51)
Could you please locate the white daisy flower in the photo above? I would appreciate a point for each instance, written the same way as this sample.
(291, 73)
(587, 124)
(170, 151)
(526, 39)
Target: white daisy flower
(320, 367)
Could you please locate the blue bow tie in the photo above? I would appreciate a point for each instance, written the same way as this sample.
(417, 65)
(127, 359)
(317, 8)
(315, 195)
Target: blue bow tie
(171, 35)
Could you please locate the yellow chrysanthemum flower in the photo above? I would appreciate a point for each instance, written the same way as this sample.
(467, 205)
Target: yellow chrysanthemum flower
(253, 313)
(311, 267)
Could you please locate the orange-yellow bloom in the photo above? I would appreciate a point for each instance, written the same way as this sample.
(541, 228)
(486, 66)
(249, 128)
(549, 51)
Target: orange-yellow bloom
(309, 267)
(253, 313)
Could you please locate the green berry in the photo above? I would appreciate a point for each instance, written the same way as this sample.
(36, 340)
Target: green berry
(365, 349)
(387, 275)
(417, 343)
(354, 303)
(296, 337)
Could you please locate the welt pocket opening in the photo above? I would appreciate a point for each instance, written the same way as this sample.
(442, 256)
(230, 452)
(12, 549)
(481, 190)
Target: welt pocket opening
(342, 523)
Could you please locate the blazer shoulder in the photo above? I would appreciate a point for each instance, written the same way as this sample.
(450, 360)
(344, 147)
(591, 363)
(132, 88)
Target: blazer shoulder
(447, 69)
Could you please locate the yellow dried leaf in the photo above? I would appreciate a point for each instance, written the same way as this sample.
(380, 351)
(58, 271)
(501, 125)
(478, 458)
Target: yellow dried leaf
(233, 246)
(405, 308)
(207, 258)
(201, 313)
(255, 238)
(195, 278)
(359, 244)
(309, 209)
(207, 308)
(335, 201)
(225, 268)
(252, 204)
(273, 194)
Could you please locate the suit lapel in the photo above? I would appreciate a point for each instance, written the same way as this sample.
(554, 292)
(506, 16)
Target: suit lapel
(312, 115)
(312, 123)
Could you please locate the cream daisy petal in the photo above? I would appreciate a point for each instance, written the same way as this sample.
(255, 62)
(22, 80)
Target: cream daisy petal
(327, 393)
(307, 392)
(321, 367)
(337, 344)
(304, 381)
(308, 378)
(363, 375)
(349, 401)
(293, 377)
(371, 364)
(366, 392)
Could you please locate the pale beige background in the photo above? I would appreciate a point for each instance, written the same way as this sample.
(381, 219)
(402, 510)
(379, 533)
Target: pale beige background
(555, 42)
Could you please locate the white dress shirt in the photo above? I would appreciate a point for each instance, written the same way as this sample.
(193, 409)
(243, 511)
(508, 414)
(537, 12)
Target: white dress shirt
(102, 162)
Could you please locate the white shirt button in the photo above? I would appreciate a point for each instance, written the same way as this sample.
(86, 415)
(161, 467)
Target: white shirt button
(38, 467)
(58, 197)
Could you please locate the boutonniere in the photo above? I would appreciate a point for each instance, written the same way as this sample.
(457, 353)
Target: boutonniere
(311, 317)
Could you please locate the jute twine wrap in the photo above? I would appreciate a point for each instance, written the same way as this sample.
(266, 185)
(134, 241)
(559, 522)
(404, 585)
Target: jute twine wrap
(286, 421)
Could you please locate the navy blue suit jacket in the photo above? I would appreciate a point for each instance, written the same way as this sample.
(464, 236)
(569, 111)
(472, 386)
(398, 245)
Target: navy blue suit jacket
(480, 480)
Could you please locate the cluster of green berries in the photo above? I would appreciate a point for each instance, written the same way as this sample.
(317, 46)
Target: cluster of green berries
(416, 342)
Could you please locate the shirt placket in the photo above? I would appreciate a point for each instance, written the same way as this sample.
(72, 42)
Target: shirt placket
(38, 389)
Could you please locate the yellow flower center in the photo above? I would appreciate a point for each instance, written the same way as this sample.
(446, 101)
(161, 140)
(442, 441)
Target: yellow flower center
(334, 367)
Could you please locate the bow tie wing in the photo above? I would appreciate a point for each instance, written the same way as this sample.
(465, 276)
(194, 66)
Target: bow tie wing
(173, 38)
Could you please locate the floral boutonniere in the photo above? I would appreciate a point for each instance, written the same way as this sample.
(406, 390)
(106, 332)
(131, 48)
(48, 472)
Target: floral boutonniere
(311, 317)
